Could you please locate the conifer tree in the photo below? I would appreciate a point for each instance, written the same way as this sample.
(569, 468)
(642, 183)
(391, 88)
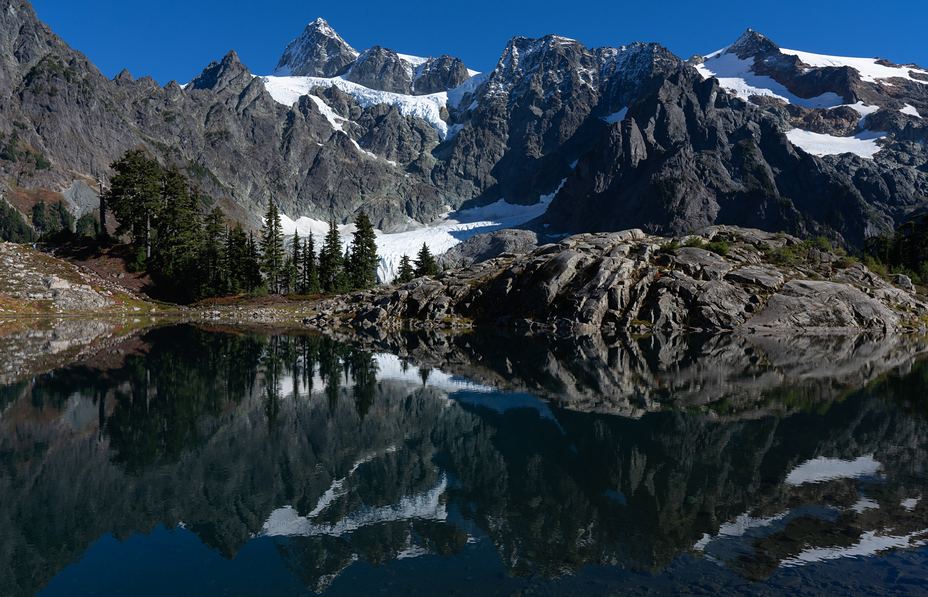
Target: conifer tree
(177, 241)
(272, 249)
(343, 280)
(363, 262)
(134, 197)
(310, 267)
(296, 264)
(425, 263)
(235, 258)
(406, 273)
(330, 260)
(215, 272)
(252, 268)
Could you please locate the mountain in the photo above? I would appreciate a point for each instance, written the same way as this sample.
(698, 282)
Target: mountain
(591, 139)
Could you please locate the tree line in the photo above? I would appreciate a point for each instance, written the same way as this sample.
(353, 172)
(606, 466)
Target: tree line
(191, 256)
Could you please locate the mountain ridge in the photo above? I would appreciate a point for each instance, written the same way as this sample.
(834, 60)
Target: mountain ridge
(631, 136)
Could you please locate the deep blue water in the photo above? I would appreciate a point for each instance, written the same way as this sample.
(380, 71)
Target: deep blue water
(197, 463)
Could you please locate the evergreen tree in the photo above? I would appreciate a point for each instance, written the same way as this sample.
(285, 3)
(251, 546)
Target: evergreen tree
(296, 265)
(425, 263)
(330, 260)
(215, 267)
(175, 261)
(272, 249)
(135, 199)
(363, 263)
(406, 273)
(343, 279)
(252, 269)
(310, 267)
(235, 259)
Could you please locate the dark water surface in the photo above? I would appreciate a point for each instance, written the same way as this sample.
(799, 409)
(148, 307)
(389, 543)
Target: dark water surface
(193, 462)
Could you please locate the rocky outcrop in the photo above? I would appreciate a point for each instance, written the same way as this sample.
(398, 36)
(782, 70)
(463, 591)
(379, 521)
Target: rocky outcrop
(35, 283)
(482, 247)
(725, 279)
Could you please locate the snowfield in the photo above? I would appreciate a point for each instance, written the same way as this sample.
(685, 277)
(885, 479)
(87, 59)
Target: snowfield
(870, 70)
(450, 230)
(288, 90)
(738, 77)
(863, 144)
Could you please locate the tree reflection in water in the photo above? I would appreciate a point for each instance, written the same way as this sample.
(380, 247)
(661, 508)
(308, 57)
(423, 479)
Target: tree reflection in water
(338, 454)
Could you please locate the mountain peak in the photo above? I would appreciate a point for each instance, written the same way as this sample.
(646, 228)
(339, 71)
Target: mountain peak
(318, 52)
(752, 43)
(218, 75)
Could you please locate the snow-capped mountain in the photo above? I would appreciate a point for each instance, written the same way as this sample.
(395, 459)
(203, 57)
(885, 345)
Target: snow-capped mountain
(317, 52)
(585, 139)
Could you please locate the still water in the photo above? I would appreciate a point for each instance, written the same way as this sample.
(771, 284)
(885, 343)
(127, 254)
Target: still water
(192, 462)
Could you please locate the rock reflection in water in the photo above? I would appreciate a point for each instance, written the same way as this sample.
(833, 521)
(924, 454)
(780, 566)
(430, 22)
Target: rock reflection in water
(339, 455)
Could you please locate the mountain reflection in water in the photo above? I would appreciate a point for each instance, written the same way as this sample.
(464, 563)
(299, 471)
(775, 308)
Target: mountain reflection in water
(249, 463)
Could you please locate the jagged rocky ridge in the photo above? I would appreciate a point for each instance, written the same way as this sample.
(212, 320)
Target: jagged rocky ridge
(726, 279)
(629, 137)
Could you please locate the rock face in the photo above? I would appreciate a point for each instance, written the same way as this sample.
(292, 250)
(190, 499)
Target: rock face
(626, 137)
(482, 247)
(726, 279)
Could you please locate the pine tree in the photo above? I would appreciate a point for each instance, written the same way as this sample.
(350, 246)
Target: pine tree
(425, 263)
(252, 268)
(235, 260)
(310, 267)
(135, 199)
(343, 279)
(330, 260)
(297, 261)
(363, 269)
(215, 270)
(176, 241)
(272, 249)
(406, 273)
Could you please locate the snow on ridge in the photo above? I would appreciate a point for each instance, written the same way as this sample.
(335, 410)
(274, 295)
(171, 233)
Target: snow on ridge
(863, 144)
(413, 60)
(870, 70)
(822, 469)
(738, 76)
(288, 90)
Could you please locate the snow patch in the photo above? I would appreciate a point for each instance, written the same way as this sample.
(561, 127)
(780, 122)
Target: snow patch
(863, 144)
(870, 70)
(616, 116)
(288, 90)
(909, 504)
(864, 504)
(819, 470)
(910, 110)
(738, 77)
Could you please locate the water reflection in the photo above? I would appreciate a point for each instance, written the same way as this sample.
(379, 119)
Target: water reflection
(343, 458)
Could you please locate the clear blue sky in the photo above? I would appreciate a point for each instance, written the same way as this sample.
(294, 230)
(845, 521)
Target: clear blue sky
(172, 39)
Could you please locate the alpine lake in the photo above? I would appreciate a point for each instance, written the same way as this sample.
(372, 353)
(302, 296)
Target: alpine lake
(198, 460)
